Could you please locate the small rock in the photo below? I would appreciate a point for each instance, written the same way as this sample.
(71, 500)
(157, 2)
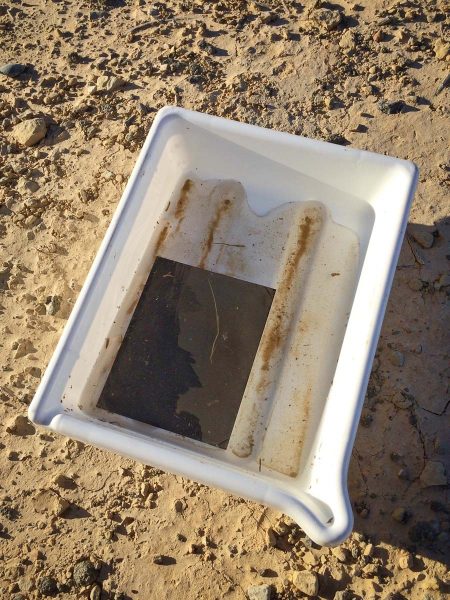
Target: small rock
(431, 583)
(378, 36)
(84, 573)
(328, 19)
(406, 561)
(340, 553)
(415, 285)
(391, 108)
(422, 237)
(371, 570)
(22, 348)
(396, 358)
(401, 401)
(400, 514)
(95, 593)
(269, 18)
(18, 597)
(433, 474)
(401, 35)
(109, 83)
(337, 138)
(368, 550)
(348, 42)
(27, 186)
(260, 592)
(442, 282)
(52, 305)
(307, 582)
(12, 69)
(271, 538)
(343, 595)
(30, 132)
(160, 559)
(441, 49)
(64, 482)
(48, 586)
(178, 506)
(31, 221)
(310, 559)
(404, 474)
(20, 425)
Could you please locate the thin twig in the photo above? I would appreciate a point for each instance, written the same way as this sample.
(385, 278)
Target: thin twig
(416, 253)
(225, 244)
(217, 323)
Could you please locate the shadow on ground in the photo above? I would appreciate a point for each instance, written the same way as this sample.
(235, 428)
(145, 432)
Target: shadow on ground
(401, 460)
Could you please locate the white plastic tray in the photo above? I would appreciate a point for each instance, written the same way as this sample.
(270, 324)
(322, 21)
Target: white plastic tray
(324, 226)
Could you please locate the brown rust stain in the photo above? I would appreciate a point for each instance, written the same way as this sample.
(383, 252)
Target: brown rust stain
(161, 238)
(132, 306)
(214, 223)
(276, 333)
(182, 200)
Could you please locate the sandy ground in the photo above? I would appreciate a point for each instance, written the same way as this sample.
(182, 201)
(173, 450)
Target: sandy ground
(78, 522)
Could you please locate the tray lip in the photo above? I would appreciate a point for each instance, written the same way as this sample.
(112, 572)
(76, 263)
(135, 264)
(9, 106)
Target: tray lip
(206, 471)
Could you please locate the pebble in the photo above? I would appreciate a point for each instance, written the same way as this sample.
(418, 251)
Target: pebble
(64, 482)
(391, 108)
(22, 348)
(344, 595)
(406, 561)
(328, 19)
(433, 474)
(109, 83)
(400, 514)
(271, 538)
(371, 570)
(340, 553)
(378, 36)
(29, 133)
(48, 586)
(21, 426)
(368, 550)
(84, 573)
(415, 285)
(396, 358)
(307, 582)
(52, 305)
(401, 401)
(12, 69)
(178, 506)
(259, 592)
(404, 474)
(310, 559)
(422, 237)
(348, 42)
(441, 49)
(401, 35)
(27, 186)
